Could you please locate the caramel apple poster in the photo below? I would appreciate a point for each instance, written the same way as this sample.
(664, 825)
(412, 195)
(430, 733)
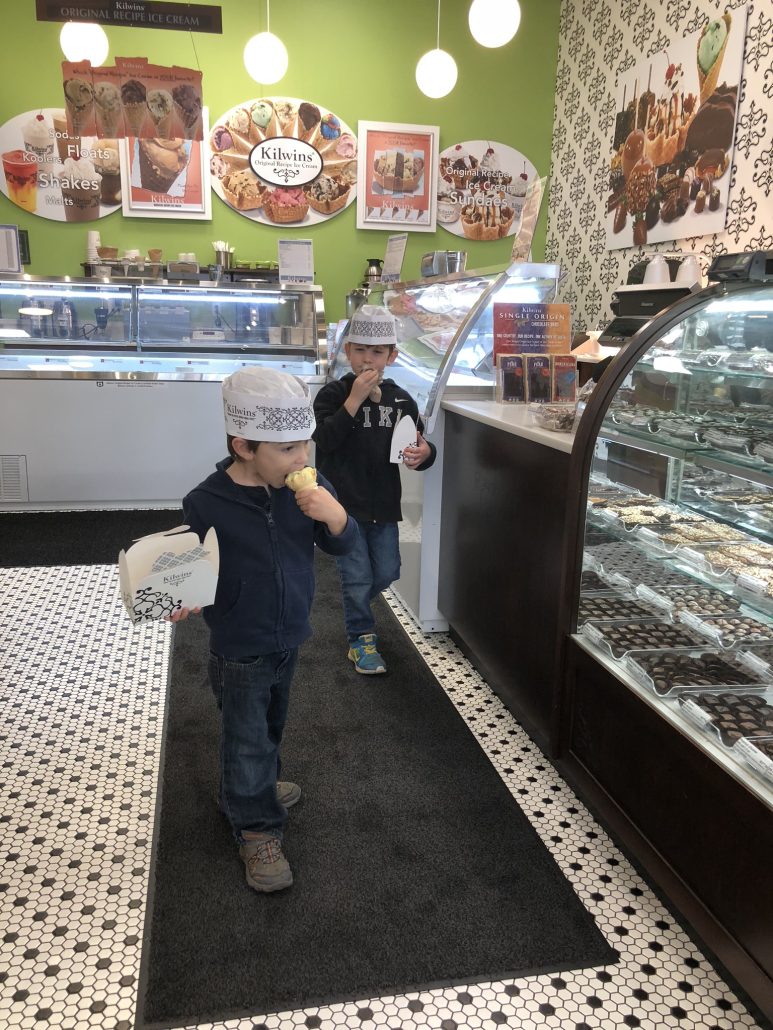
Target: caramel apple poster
(51, 173)
(283, 161)
(673, 138)
(396, 183)
(481, 189)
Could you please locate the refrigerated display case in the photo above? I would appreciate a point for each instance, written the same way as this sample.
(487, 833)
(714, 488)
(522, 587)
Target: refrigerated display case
(110, 392)
(445, 343)
(667, 714)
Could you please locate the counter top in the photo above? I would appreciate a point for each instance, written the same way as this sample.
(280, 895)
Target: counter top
(510, 418)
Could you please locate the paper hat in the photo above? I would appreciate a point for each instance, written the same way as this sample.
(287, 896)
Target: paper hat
(372, 325)
(261, 404)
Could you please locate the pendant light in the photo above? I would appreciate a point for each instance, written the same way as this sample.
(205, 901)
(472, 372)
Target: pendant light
(84, 41)
(494, 22)
(436, 71)
(265, 55)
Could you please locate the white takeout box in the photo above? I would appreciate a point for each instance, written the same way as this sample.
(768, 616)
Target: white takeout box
(164, 572)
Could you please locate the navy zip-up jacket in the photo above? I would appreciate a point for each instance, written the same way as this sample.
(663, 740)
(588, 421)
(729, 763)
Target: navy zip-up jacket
(266, 581)
(353, 452)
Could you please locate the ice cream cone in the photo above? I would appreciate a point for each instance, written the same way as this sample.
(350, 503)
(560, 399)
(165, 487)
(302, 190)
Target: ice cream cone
(135, 117)
(191, 129)
(108, 123)
(79, 117)
(708, 81)
(163, 127)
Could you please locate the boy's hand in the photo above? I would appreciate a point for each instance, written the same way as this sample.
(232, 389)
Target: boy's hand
(414, 456)
(360, 390)
(321, 506)
(182, 614)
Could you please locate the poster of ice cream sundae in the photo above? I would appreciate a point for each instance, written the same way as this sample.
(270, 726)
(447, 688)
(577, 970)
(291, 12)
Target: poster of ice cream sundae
(166, 178)
(252, 123)
(673, 137)
(481, 189)
(52, 174)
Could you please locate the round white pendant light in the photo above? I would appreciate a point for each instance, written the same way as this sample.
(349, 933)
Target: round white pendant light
(84, 41)
(265, 57)
(436, 74)
(494, 22)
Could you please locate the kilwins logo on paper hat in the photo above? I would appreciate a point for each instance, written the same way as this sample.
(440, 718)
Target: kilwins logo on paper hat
(264, 405)
(372, 325)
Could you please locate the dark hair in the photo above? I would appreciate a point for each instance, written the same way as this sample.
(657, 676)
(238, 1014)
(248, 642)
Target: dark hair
(252, 446)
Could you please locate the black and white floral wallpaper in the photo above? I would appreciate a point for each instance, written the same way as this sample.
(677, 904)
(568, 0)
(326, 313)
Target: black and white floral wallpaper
(598, 40)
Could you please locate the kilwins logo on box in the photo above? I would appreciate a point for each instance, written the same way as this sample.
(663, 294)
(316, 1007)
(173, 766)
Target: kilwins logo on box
(282, 161)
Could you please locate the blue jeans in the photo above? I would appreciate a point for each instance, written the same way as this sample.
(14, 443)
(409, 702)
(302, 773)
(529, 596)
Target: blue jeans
(365, 571)
(253, 696)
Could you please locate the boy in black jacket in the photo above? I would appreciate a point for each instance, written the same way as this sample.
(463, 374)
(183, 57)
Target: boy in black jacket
(356, 416)
(266, 536)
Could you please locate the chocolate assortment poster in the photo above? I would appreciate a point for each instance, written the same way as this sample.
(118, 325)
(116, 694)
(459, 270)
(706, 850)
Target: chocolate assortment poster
(674, 129)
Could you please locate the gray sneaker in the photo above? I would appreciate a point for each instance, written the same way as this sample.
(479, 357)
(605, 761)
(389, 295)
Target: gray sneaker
(265, 866)
(287, 794)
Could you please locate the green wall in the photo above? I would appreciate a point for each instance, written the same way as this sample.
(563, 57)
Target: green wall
(356, 59)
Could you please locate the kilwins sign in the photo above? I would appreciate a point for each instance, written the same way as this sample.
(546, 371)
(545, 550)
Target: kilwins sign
(147, 14)
(281, 161)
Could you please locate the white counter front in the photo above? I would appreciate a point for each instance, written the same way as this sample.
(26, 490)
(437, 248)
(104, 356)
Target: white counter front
(510, 418)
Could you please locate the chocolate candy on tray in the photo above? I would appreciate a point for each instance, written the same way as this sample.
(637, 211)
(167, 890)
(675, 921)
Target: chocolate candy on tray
(669, 671)
(611, 608)
(732, 715)
(642, 636)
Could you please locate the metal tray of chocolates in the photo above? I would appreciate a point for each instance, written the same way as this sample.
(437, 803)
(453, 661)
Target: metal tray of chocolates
(696, 598)
(670, 673)
(729, 631)
(614, 608)
(618, 639)
(728, 715)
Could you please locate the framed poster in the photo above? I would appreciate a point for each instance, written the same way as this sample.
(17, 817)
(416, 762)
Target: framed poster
(166, 178)
(396, 176)
(673, 136)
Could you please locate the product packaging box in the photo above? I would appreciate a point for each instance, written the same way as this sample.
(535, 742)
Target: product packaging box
(164, 572)
(564, 378)
(510, 384)
(537, 378)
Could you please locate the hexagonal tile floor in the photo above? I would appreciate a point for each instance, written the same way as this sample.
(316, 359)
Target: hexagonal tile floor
(83, 698)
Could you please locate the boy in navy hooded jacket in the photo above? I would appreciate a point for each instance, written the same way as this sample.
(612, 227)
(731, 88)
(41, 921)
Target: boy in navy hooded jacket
(260, 616)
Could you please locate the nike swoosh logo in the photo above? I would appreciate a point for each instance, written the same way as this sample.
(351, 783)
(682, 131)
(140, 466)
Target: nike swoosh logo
(399, 399)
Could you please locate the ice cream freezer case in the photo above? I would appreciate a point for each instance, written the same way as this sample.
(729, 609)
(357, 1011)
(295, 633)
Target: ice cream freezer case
(110, 393)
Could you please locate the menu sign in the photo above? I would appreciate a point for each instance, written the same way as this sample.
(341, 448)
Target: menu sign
(531, 329)
(481, 189)
(52, 174)
(674, 130)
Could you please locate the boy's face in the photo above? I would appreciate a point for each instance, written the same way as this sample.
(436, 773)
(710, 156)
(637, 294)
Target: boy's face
(271, 462)
(363, 357)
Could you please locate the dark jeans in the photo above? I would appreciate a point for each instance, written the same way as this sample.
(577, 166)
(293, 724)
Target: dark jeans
(253, 696)
(365, 571)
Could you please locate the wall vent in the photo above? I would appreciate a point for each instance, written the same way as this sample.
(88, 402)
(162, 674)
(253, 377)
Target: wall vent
(13, 478)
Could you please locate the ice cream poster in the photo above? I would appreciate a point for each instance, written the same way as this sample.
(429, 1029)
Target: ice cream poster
(481, 189)
(270, 124)
(396, 182)
(165, 178)
(133, 98)
(521, 328)
(672, 149)
(52, 174)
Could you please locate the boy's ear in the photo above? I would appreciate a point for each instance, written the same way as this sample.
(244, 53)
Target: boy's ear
(392, 356)
(347, 349)
(242, 448)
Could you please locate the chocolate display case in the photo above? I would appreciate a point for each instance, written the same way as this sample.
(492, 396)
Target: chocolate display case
(129, 374)
(667, 711)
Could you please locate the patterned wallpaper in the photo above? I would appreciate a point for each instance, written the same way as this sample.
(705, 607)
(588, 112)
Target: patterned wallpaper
(598, 40)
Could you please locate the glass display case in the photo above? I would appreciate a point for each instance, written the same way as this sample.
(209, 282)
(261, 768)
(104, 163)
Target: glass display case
(676, 593)
(445, 331)
(159, 328)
